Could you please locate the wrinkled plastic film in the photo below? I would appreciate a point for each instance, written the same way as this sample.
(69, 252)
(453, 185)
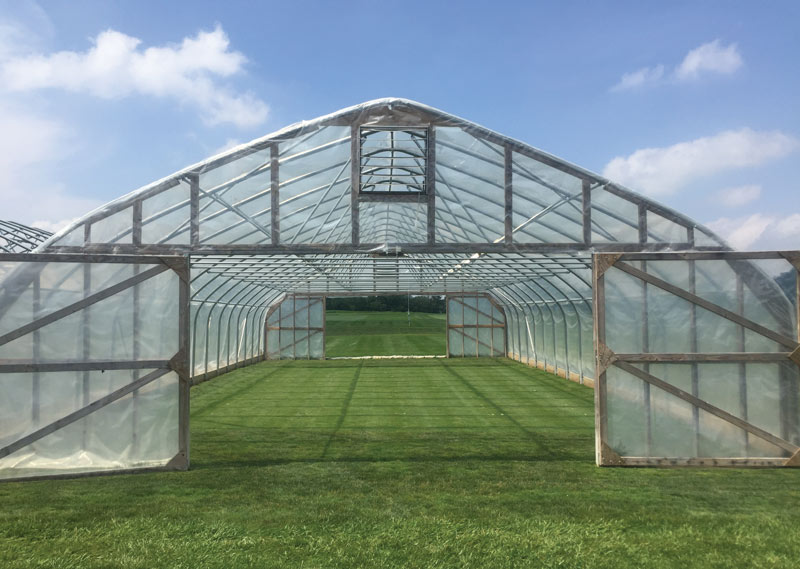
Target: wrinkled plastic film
(89, 312)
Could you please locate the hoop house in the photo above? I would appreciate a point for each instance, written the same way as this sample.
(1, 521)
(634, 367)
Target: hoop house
(392, 196)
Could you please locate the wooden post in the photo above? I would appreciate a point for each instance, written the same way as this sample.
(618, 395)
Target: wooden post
(600, 403)
(184, 375)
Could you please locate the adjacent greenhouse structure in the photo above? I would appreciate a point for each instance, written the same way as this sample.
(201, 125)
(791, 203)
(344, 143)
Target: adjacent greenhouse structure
(692, 349)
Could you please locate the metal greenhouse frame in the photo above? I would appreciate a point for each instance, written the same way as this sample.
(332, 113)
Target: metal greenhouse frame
(18, 238)
(393, 197)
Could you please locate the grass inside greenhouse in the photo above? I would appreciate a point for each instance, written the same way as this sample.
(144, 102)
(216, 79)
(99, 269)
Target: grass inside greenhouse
(401, 463)
(352, 333)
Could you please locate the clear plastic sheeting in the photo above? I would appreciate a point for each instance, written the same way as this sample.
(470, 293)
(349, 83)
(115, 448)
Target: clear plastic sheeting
(703, 359)
(89, 350)
(395, 197)
(296, 329)
(475, 327)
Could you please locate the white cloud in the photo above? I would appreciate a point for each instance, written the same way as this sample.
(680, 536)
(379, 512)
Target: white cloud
(661, 171)
(29, 147)
(229, 144)
(639, 78)
(116, 66)
(738, 196)
(742, 232)
(709, 57)
(790, 227)
(759, 231)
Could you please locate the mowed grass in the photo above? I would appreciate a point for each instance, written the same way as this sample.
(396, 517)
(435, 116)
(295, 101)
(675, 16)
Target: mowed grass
(352, 333)
(401, 463)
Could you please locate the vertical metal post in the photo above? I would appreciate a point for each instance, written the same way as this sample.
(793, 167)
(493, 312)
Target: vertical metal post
(509, 195)
(742, 365)
(355, 182)
(491, 330)
(587, 212)
(266, 335)
(463, 347)
(87, 347)
(294, 327)
(642, 224)
(194, 209)
(136, 235)
(136, 372)
(35, 388)
(275, 202)
(693, 346)
(430, 183)
(645, 349)
(555, 340)
(324, 324)
(447, 327)
(477, 329)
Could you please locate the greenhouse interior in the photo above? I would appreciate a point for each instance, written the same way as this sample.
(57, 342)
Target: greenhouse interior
(691, 348)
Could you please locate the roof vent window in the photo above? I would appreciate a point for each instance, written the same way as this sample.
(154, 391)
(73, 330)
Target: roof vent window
(393, 160)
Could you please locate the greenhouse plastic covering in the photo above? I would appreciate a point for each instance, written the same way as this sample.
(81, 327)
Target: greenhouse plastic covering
(386, 197)
(88, 335)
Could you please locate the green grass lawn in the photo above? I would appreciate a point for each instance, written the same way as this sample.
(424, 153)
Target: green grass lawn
(401, 463)
(351, 333)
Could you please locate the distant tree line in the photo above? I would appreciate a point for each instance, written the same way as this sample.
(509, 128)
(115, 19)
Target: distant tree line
(398, 303)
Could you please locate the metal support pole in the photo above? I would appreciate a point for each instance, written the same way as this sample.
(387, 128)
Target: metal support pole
(86, 334)
(693, 346)
(275, 203)
(35, 388)
(742, 366)
(355, 182)
(194, 209)
(509, 195)
(430, 184)
(587, 212)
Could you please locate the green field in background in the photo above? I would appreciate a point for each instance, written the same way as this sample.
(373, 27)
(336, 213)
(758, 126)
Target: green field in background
(482, 463)
(351, 333)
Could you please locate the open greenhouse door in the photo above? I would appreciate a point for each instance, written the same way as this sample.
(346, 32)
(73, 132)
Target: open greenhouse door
(698, 361)
(93, 364)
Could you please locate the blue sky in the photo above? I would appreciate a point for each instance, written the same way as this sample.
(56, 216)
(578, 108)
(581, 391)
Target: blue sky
(692, 103)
